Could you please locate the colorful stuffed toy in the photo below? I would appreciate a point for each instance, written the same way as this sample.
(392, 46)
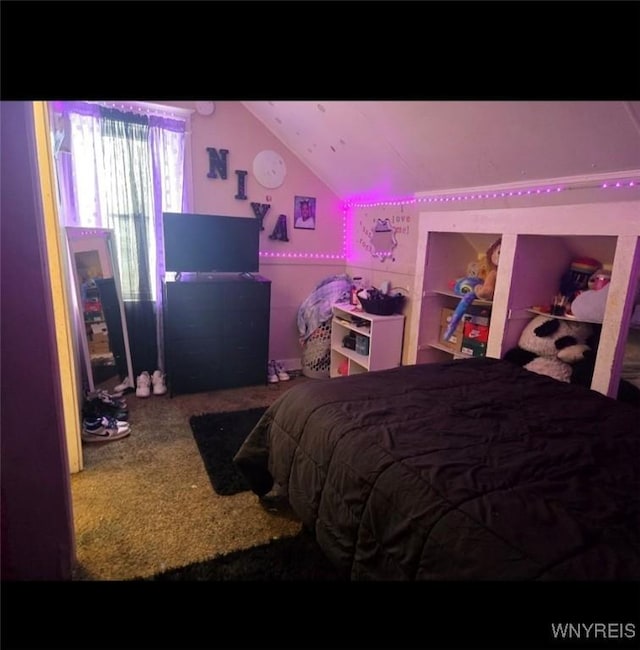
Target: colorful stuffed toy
(479, 283)
(463, 287)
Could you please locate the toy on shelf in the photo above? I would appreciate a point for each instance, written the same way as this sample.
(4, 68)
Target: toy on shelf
(479, 283)
(550, 346)
(464, 287)
(485, 289)
(576, 278)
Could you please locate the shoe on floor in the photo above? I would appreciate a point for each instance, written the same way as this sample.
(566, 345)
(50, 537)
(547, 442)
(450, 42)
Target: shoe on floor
(103, 429)
(272, 374)
(143, 384)
(157, 379)
(125, 385)
(283, 375)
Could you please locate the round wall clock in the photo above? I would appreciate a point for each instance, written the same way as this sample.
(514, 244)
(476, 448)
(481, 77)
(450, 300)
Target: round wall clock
(269, 169)
(205, 108)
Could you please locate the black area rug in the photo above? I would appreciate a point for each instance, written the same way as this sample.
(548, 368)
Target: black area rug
(289, 558)
(219, 436)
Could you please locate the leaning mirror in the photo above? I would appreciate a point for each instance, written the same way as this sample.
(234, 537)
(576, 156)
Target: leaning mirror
(102, 327)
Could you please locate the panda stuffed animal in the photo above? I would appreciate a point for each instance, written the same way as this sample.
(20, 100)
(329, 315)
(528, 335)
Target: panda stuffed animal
(550, 346)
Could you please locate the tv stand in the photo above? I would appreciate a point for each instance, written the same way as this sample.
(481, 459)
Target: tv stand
(216, 331)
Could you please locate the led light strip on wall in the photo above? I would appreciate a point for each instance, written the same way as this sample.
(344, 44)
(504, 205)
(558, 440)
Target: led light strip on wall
(318, 256)
(497, 194)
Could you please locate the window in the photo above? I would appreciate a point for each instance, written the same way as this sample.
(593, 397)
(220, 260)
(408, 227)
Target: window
(121, 169)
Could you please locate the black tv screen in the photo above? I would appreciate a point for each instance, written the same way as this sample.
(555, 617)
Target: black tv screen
(206, 243)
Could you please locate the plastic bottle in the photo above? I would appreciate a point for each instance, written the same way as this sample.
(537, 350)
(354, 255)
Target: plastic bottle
(355, 287)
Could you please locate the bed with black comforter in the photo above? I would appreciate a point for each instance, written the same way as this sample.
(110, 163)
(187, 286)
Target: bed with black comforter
(472, 469)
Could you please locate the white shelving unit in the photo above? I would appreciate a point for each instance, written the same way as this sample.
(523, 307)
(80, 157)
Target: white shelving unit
(538, 245)
(382, 337)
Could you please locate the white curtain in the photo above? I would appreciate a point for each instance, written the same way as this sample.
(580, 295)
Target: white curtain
(121, 171)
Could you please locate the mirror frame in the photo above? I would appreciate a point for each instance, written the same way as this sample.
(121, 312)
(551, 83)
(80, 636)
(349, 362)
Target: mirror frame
(107, 252)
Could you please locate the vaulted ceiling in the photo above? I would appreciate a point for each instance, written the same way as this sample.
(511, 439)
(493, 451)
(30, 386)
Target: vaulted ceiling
(375, 149)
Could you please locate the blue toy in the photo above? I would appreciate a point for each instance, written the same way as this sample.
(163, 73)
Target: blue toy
(464, 287)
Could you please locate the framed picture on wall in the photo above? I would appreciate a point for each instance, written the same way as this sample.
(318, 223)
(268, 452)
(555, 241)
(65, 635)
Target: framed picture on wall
(304, 212)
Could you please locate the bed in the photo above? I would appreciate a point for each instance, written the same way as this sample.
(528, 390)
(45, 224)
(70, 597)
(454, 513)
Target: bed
(471, 469)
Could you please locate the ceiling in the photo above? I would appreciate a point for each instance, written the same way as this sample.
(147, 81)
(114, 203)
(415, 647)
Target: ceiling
(377, 149)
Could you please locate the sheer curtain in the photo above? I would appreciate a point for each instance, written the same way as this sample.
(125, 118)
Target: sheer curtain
(122, 170)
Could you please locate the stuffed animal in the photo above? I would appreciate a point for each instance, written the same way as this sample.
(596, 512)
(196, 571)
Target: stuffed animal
(550, 346)
(485, 289)
(463, 287)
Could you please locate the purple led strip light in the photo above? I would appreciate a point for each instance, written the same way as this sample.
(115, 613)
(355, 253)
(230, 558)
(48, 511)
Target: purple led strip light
(437, 199)
(318, 256)
(489, 195)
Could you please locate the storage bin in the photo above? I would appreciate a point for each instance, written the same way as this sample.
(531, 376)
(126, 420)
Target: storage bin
(383, 306)
(316, 352)
(362, 344)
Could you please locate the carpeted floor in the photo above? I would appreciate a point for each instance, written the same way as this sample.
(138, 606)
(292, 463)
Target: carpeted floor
(297, 558)
(219, 436)
(144, 504)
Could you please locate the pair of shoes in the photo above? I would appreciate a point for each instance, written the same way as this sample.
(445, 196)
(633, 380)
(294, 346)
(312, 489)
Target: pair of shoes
(100, 403)
(104, 429)
(276, 372)
(147, 383)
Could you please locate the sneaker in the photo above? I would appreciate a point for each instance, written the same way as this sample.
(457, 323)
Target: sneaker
(122, 387)
(109, 399)
(283, 375)
(103, 430)
(272, 374)
(96, 409)
(157, 379)
(143, 385)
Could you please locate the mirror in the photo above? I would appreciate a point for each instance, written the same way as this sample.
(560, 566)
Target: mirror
(383, 240)
(102, 327)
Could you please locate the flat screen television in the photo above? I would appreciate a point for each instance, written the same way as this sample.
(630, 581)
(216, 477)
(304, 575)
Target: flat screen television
(209, 243)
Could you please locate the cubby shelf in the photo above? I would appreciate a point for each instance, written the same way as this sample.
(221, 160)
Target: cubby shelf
(384, 337)
(538, 246)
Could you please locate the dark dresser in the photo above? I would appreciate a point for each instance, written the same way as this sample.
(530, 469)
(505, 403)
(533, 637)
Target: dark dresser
(216, 332)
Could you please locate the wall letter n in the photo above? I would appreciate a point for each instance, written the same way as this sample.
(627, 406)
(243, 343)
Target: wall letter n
(217, 163)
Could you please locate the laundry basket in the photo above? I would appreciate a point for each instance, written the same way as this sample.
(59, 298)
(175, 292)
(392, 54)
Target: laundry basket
(316, 352)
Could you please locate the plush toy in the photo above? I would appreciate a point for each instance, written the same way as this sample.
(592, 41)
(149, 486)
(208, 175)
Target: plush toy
(485, 289)
(463, 287)
(478, 268)
(550, 346)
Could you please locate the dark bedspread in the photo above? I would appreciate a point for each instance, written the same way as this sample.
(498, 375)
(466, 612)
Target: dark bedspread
(471, 469)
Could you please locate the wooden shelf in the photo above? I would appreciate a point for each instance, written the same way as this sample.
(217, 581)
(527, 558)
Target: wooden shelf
(538, 312)
(538, 246)
(384, 334)
(452, 294)
(443, 348)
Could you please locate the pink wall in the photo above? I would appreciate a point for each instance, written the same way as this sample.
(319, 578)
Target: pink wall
(233, 127)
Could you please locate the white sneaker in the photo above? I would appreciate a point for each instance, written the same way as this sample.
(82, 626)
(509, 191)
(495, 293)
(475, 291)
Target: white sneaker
(272, 374)
(126, 384)
(157, 379)
(283, 375)
(143, 385)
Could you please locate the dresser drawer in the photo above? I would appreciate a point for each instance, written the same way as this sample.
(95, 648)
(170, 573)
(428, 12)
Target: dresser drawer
(190, 325)
(194, 297)
(251, 296)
